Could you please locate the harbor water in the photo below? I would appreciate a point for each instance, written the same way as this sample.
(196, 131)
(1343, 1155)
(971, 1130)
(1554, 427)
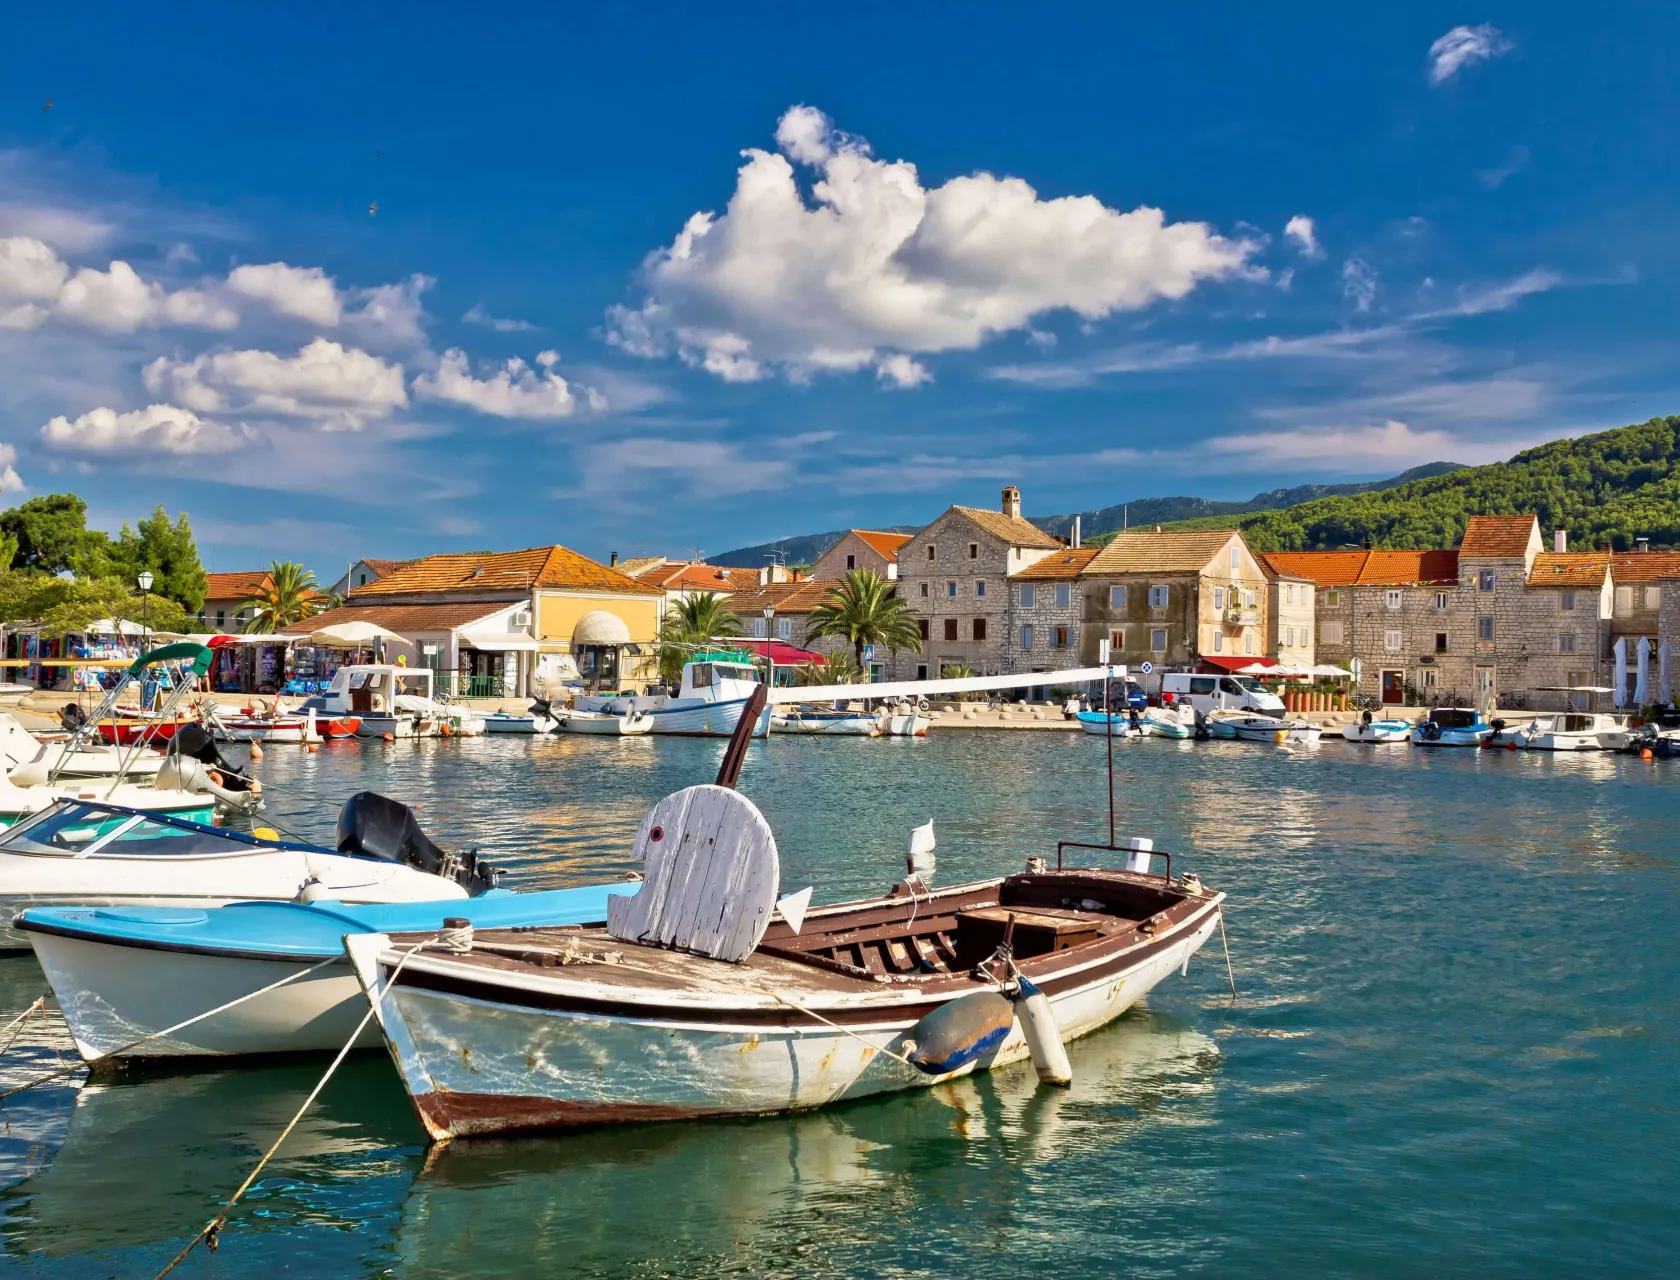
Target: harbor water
(1453, 1049)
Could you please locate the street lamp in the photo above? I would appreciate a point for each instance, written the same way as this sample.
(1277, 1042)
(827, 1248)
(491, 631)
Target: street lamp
(769, 618)
(145, 581)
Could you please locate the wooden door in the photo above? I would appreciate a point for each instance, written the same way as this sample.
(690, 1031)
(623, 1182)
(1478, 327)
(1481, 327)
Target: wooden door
(1393, 687)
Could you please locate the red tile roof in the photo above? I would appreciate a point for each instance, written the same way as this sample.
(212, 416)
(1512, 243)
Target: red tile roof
(240, 586)
(1645, 566)
(1506, 537)
(1365, 568)
(887, 544)
(788, 597)
(699, 577)
(476, 571)
(405, 619)
(1058, 565)
(383, 568)
(1568, 569)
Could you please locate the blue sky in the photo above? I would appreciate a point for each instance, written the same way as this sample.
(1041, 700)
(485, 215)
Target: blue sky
(273, 271)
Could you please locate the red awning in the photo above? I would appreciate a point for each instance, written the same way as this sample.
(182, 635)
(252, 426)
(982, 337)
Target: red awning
(1212, 662)
(783, 655)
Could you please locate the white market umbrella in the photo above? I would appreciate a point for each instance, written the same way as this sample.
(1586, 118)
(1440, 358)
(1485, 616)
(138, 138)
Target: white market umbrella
(351, 635)
(1642, 682)
(1619, 650)
(1665, 663)
(1326, 671)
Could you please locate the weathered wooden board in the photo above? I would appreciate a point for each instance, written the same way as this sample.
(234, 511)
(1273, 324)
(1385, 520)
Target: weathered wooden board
(711, 880)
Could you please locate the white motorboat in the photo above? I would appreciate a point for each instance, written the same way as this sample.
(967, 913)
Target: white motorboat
(1251, 726)
(1168, 722)
(1369, 729)
(709, 702)
(395, 701)
(605, 723)
(1454, 727)
(539, 718)
(253, 724)
(86, 852)
(905, 720)
(1573, 731)
(1104, 724)
(826, 721)
(86, 759)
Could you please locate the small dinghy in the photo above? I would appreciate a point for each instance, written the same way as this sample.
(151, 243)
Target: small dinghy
(1254, 726)
(708, 995)
(1369, 729)
(605, 723)
(87, 852)
(123, 973)
(906, 719)
(1117, 724)
(1168, 722)
(1454, 727)
(538, 719)
(826, 721)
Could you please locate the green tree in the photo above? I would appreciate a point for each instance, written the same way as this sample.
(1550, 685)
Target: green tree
(63, 605)
(699, 620)
(839, 668)
(167, 549)
(290, 597)
(51, 532)
(863, 609)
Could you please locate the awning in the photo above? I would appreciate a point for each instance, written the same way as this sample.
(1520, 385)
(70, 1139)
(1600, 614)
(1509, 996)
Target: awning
(499, 641)
(1218, 662)
(781, 653)
(600, 627)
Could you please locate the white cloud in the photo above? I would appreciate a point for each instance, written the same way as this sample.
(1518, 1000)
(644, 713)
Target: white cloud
(72, 230)
(514, 391)
(161, 428)
(1461, 47)
(302, 293)
(339, 387)
(1359, 283)
(902, 372)
(1300, 230)
(10, 481)
(478, 315)
(390, 313)
(1515, 161)
(882, 266)
(710, 468)
(1393, 444)
(1481, 299)
(29, 270)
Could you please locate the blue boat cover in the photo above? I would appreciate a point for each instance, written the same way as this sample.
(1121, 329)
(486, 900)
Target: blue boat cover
(315, 931)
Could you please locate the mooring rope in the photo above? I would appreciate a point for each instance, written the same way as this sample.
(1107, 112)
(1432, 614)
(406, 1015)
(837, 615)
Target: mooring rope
(812, 1013)
(1229, 972)
(179, 1026)
(208, 1232)
(40, 1003)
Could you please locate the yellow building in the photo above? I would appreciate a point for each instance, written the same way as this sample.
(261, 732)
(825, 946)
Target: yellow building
(503, 623)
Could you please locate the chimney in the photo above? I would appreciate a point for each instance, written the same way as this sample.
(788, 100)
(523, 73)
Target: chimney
(1560, 540)
(612, 562)
(1075, 543)
(1641, 544)
(1012, 502)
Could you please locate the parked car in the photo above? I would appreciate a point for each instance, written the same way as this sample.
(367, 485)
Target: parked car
(1207, 693)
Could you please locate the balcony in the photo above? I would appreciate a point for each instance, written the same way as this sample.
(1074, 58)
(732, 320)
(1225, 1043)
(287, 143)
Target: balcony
(1242, 617)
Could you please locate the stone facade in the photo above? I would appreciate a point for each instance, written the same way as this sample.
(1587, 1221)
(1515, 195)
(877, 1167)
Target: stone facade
(1291, 616)
(861, 549)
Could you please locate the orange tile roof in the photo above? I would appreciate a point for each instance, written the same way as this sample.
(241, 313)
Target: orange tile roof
(788, 597)
(384, 567)
(551, 566)
(1164, 551)
(405, 619)
(1058, 565)
(695, 577)
(1645, 566)
(1568, 569)
(240, 586)
(887, 544)
(1012, 529)
(1365, 568)
(636, 566)
(1503, 536)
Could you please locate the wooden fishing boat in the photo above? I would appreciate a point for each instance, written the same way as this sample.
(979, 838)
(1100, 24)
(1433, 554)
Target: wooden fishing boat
(826, 722)
(125, 730)
(604, 723)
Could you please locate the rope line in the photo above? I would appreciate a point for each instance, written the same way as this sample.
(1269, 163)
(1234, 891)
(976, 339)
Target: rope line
(1229, 972)
(209, 1230)
(812, 1013)
(40, 1003)
(179, 1026)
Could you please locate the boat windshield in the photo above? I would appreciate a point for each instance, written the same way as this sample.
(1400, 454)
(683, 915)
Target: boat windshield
(80, 831)
(727, 672)
(1454, 718)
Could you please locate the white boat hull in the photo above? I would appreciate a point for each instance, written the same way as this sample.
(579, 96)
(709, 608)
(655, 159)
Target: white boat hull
(287, 730)
(906, 725)
(699, 719)
(113, 995)
(1117, 726)
(603, 725)
(1378, 731)
(474, 1066)
(858, 726)
(1453, 738)
(1158, 724)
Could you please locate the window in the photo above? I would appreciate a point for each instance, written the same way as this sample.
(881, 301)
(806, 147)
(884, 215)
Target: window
(221, 618)
(933, 552)
(784, 628)
(760, 628)
(1566, 601)
(1393, 599)
(1440, 599)
(1624, 599)
(851, 562)
(950, 591)
(1288, 594)
(1391, 641)
(1219, 597)
(1332, 599)
(1440, 642)
(1248, 599)
(979, 588)
(924, 591)
(1248, 642)
(1330, 632)
(1026, 637)
(950, 628)
(1117, 597)
(1158, 639)
(974, 551)
(1027, 596)
(1566, 642)
(922, 626)
(1428, 675)
(1288, 636)
(1064, 595)
(1060, 637)
(1486, 578)
(1219, 642)
(1653, 597)
(1157, 597)
(1117, 639)
(1484, 628)
(1236, 558)
(979, 628)
(921, 668)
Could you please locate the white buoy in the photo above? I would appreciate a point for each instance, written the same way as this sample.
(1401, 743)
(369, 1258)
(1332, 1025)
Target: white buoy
(1044, 1037)
(921, 849)
(1141, 847)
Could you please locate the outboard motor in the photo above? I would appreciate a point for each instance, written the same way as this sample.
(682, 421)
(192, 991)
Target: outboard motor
(376, 826)
(1203, 733)
(72, 717)
(195, 742)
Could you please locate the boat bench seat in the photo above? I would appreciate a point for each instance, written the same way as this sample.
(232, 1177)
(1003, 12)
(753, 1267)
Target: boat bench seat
(1037, 932)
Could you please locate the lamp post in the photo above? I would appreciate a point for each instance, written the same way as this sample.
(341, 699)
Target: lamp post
(769, 662)
(145, 581)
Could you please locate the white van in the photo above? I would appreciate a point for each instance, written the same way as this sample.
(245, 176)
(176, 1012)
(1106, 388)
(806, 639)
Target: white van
(1207, 693)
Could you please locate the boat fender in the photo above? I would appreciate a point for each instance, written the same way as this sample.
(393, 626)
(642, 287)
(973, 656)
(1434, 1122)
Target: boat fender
(311, 890)
(1044, 1037)
(959, 1032)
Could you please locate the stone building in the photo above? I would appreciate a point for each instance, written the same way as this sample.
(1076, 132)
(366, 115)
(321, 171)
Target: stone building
(1045, 628)
(954, 576)
(861, 549)
(1291, 617)
(1637, 615)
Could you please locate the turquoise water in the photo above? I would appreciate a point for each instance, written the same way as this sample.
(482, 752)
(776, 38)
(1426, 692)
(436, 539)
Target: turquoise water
(1453, 1051)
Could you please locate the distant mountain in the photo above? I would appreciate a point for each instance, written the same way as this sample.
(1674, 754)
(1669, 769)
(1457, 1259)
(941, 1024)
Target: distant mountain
(805, 548)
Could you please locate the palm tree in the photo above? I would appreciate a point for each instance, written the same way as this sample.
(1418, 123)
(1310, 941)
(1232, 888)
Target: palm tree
(699, 620)
(862, 610)
(291, 595)
(837, 668)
